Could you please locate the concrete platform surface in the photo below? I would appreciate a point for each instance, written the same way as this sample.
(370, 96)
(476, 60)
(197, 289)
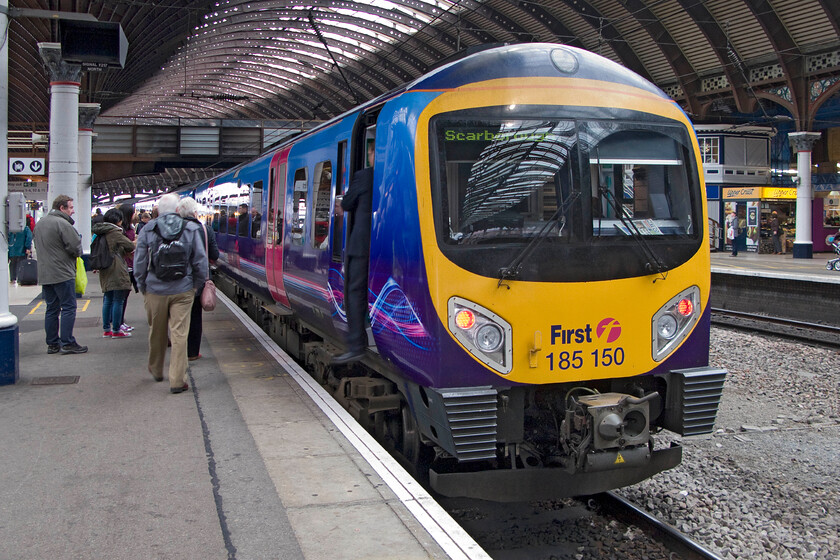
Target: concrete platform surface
(777, 266)
(255, 461)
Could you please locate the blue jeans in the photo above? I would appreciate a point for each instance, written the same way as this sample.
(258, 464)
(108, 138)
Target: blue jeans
(61, 298)
(112, 309)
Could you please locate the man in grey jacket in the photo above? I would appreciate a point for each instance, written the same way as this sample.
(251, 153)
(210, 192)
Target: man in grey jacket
(169, 301)
(59, 244)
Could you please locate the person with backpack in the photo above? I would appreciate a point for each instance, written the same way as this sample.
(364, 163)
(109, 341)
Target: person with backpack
(170, 265)
(113, 278)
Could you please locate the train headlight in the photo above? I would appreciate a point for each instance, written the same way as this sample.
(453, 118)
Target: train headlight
(666, 326)
(483, 333)
(489, 337)
(672, 323)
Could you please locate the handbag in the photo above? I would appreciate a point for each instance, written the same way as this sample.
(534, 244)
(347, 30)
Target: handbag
(208, 296)
(81, 277)
(208, 292)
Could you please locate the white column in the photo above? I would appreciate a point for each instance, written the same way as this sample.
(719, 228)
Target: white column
(65, 82)
(802, 143)
(87, 114)
(9, 334)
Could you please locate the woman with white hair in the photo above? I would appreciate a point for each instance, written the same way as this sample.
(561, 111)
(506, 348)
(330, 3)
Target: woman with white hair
(189, 209)
(170, 264)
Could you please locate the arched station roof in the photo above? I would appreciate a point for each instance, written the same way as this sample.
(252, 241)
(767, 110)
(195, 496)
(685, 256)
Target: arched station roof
(274, 59)
(270, 59)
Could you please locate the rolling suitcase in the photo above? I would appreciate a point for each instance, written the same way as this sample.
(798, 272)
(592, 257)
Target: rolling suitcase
(27, 272)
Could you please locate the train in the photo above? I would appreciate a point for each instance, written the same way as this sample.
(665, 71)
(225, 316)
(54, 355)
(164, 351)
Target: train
(539, 276)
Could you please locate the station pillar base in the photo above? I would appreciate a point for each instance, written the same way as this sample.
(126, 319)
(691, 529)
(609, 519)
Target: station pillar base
(9, 355)
(803, 250)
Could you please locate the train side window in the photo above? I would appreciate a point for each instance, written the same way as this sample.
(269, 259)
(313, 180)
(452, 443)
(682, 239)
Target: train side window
(216, 218)
(223, 219)
(299, 196)
(338, 225)
(232, 219)
(256, 204)
(321, 221)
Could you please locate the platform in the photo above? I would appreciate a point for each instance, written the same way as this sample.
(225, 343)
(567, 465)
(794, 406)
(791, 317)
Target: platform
(254, 462)
(777, 286)
(776, 266)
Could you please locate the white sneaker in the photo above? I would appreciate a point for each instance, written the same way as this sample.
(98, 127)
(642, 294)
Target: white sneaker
(126, 328)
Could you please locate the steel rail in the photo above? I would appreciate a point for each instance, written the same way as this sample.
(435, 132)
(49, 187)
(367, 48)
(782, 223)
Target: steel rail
(795, 330)
(669, 536)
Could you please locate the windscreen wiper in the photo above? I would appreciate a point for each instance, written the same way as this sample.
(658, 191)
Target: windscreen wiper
(511, 271)
(654, 264)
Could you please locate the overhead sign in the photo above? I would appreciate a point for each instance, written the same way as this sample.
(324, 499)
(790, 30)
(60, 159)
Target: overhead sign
(32, 189)
(741, 193)
(778, 192)
(27, 166)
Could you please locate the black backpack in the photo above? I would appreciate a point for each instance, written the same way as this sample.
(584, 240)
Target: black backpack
(169, 255)
(101, 256)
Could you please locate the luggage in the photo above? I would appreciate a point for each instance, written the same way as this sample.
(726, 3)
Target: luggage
(27, 272)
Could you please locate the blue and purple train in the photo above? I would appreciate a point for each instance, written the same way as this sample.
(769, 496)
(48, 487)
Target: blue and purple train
(539, 270)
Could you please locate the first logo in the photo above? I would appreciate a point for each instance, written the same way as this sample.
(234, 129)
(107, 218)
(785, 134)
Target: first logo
(609, 326)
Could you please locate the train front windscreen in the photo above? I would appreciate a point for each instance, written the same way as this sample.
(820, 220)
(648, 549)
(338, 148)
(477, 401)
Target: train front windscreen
(564, 199)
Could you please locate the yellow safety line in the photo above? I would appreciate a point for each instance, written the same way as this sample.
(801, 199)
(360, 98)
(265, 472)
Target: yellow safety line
(83, 309)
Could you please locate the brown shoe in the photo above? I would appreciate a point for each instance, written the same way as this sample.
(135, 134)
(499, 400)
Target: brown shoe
(193, 358)
(176, 390)
(156, 378)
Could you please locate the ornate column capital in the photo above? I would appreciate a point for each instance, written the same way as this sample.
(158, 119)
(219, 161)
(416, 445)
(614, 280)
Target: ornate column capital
(57, 69)
(87, 115)
(803, 141)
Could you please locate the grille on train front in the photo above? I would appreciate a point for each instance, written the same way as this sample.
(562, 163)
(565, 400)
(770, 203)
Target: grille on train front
(694, 397)
(471, 413)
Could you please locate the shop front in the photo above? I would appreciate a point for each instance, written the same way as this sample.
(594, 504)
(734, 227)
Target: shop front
(740, 217)
(782, 201)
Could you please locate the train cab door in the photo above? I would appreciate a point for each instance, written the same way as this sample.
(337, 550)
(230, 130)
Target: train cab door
(276, 204)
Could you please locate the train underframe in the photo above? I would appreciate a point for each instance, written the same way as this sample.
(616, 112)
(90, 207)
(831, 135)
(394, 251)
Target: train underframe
(508, 443)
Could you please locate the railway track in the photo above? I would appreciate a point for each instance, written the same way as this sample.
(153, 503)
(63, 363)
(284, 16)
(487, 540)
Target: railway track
(812, 333)
(675, 541)
(600, 527)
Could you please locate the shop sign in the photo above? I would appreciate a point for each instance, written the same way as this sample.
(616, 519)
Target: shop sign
(778, 192)
(741, 193)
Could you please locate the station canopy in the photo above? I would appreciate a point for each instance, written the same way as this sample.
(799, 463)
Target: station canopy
(284, 60)
(268, 59)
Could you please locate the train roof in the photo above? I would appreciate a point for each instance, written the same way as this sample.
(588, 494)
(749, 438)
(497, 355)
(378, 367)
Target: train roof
(531, 60)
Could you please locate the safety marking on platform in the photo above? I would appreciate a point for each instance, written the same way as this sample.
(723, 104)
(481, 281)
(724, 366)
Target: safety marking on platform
(56, 380)
(79, 308)
(446, 532)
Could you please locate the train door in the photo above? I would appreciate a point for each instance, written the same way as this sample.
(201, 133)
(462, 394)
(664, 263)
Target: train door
(337, 242)
(276, 204)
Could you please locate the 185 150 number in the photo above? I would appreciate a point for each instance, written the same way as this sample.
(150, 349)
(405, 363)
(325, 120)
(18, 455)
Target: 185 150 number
(604, 357)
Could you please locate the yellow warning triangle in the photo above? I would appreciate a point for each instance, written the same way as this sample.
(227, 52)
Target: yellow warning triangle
(619, 459)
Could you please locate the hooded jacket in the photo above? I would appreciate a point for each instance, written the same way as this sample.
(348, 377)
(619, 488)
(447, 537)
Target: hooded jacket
(58, 244)
(115, 277)
(20, 242)
(197, 270)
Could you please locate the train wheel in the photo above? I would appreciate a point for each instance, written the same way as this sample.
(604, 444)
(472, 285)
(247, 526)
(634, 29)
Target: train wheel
(386, 428)
(411, 444)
